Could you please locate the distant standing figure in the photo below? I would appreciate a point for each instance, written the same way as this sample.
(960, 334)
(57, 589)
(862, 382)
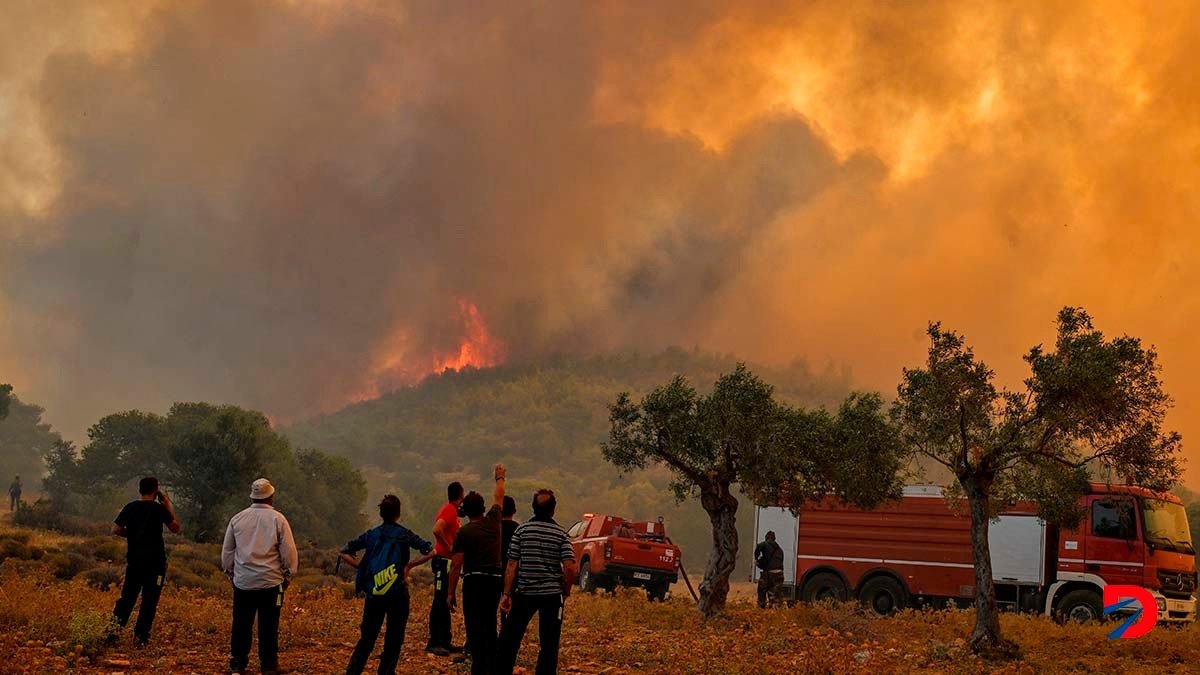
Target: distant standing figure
(14, 494)
(382, 581)
(768, 557)
(141, 523)
(541, 569)
(260, 556)
(445, 529)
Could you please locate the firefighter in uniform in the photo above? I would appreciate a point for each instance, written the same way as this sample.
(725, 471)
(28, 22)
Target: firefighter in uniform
(768, 557)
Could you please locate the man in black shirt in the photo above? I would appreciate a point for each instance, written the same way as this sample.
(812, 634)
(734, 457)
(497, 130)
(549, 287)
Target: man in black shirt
(476, 559)
(141, 523)
(768, 557)
(507, 526)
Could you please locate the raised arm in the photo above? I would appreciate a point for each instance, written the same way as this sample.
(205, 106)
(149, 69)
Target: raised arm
(498, 495)
(174, 525)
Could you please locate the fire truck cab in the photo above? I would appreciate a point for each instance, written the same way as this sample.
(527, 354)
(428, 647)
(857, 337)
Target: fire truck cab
(918, 550)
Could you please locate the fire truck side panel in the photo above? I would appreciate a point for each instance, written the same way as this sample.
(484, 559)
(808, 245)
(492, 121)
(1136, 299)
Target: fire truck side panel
(917, 539)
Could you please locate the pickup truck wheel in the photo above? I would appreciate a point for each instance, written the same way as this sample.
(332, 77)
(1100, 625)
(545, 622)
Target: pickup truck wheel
(884, 595)
(1081, 606)
(823, 586)
(587, 582)
(658, 592)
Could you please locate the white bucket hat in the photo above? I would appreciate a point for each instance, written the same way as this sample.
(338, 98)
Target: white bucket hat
(261, 489)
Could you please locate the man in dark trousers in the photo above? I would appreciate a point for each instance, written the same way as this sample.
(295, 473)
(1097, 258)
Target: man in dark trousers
(768, 557)
(476, 559)
(14, 494)
(382, 580)
(541, 569)
(260, 557)
(141, 523)
(445, 529)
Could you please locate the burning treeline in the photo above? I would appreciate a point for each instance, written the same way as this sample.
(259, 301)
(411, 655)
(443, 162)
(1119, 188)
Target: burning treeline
(290, 204)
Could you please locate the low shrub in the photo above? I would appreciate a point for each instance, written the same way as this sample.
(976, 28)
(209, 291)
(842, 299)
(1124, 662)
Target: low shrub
(19, 548)
(89, 628)
(66, 565)
(44, 515)
(213, 584)
(104, 578)
(108, 549)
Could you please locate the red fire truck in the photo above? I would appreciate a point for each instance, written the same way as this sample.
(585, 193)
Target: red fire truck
(918, 550)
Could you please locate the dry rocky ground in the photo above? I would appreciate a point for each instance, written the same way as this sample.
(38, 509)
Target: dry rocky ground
(49, 625)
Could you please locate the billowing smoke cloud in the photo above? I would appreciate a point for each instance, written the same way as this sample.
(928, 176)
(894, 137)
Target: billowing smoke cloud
(286, 204)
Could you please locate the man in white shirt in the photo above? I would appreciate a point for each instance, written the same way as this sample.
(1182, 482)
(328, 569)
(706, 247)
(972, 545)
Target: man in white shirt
(260, 556)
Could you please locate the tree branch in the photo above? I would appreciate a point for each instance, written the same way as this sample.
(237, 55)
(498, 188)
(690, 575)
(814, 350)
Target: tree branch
(674, 462)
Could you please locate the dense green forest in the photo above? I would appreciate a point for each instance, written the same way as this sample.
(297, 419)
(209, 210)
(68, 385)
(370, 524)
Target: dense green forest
(206, 455)
(544, 421)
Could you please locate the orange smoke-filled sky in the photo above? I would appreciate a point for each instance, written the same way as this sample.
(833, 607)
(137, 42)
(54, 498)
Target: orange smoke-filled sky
(251, 201)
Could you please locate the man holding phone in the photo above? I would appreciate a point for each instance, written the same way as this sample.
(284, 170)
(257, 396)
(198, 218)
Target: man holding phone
(141, 523)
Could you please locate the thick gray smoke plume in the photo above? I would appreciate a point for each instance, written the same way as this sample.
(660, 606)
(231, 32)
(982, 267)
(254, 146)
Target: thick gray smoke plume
(258, 194)
(291, 205)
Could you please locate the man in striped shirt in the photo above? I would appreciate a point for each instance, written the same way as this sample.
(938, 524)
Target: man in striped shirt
(538, 579)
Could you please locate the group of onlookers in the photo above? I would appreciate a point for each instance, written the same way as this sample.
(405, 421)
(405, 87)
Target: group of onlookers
(516, 570)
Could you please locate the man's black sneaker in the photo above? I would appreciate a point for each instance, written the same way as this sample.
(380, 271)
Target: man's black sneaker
(455, 649)
(438, 651)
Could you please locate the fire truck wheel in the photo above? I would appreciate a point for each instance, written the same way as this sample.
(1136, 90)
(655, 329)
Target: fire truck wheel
(884, 595)
(587, 582)
(1081, 606)
(658, 592)
(823, 586)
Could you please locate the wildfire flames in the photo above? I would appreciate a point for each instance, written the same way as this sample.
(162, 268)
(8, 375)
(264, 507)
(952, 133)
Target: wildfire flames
(398, 363)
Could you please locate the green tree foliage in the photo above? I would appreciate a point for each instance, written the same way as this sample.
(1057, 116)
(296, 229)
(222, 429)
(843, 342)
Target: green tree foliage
(5, 394)
(1090, 404)
(330, 503)
(24, 437)
(206, 455)
(213, 454)
(545, 422)
(739, 434)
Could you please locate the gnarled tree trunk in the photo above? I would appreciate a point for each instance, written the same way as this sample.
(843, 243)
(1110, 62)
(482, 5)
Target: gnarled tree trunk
(985, 638)
(721, 506)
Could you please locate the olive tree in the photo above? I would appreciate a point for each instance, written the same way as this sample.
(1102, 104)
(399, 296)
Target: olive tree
(738, 437)
(1089, 405)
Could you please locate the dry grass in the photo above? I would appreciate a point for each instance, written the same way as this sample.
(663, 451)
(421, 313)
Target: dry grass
(46, 625)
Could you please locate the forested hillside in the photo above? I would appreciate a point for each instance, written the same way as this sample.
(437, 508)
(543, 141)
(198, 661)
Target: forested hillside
(545, 422)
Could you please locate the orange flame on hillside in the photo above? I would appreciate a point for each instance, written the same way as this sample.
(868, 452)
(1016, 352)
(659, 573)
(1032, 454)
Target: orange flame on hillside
(397, 363)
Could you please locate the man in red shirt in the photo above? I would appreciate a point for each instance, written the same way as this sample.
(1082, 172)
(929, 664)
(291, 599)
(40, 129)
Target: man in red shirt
(445, 529)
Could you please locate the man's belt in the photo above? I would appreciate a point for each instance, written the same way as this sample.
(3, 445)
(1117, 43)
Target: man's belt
(496, 575)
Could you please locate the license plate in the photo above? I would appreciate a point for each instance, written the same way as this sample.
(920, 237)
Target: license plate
(641, 575)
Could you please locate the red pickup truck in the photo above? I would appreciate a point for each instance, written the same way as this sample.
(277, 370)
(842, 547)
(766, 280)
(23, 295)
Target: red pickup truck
(613, 551)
